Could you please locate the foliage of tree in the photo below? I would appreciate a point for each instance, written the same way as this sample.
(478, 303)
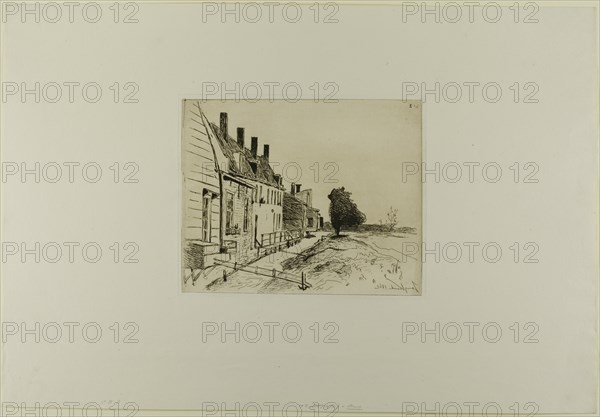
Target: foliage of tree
(343, 211)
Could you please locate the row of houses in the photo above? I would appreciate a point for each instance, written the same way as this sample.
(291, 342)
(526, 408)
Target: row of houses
(234, 205)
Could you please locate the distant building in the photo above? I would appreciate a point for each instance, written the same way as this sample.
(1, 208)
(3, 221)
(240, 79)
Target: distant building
(294, 214)
(298, 212)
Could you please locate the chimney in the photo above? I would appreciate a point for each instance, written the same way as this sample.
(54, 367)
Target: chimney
(266, 152)
(254, 146)
(223, 120)
(293, 189)
(298, 187)
(240, 137)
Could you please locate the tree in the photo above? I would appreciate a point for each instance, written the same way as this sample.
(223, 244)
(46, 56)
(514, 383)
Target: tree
(392, 219)
(343, 211)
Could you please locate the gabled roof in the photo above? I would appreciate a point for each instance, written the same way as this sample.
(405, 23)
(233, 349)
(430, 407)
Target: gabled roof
(240, 160)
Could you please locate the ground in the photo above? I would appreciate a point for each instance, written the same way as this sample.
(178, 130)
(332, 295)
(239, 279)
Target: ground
(358, 263)
(354, 263)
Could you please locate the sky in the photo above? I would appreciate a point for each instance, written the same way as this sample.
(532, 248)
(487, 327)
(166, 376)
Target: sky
(357, 144)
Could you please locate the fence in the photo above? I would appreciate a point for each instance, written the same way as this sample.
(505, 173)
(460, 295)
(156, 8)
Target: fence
(276, 241)
(284, 236)
(266, 272)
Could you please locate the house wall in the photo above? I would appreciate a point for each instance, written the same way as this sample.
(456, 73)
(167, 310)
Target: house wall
(268, 208)
(312, 219)
(199, 178)
(305, 196)
(294, 213)
(199, 174)
(244, 238)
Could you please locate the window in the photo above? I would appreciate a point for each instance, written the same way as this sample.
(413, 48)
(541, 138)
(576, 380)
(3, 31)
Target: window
(246, 214)
(229, 215)
(206, 207)
(310, 222)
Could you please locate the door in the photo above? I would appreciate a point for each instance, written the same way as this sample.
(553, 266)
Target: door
(206, 203)
(255, 229)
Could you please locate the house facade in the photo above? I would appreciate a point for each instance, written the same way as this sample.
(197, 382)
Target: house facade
(268, 197)
(232, 199)
(202, 163)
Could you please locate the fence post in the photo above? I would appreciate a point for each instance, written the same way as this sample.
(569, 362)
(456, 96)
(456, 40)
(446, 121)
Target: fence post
(224, 276)
(303, 285)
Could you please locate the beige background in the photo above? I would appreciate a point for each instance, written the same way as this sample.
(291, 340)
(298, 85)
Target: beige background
(369, 54)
